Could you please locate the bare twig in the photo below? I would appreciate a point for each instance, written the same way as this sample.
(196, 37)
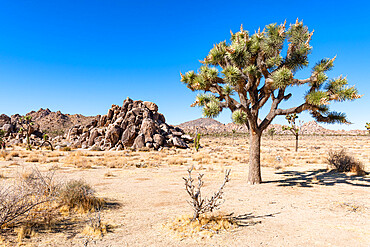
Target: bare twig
(202, 205)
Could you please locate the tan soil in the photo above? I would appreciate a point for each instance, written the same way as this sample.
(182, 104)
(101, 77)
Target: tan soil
(300, 203)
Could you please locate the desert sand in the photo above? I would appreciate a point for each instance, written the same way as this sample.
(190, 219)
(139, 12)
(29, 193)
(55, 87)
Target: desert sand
(301, 202)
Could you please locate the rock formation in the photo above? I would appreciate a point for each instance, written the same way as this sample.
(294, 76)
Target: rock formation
(135, 124)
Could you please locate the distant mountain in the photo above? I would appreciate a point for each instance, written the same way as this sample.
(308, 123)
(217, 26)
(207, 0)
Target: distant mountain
(204, 126)
(53, 123)
(209, 126)
(202, 122)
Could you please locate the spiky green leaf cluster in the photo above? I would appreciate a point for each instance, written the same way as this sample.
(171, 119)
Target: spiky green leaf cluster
(208, 73)
(232, 75)
(188, 78)
(324, 65)
(339, 90)
(274, 62)
(211, 110)
(273, 41)
(210, 104)
(367, 126)
(253, 71)
(228, 90)
(299, 48)
(217, 54)
(330, 117)
(239, 117)
(317, 98)
(282, 78)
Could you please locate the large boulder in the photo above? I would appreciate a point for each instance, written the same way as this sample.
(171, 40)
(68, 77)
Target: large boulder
(178, 142)
(139, 141)
(93, 134)
(113, 134)
(148, 128)
(151, 106)
(129, 135)
(8, 128)
(4, 119)
(159, 139)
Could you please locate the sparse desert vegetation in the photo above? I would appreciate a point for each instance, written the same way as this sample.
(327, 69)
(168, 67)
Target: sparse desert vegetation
(142, 174)
(146, 194)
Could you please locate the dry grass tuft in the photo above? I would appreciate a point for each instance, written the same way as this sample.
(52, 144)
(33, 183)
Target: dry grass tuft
(108, 174)
(3, 154)
(176, 161)
(95, 227)
(208, 225)
(65, 149)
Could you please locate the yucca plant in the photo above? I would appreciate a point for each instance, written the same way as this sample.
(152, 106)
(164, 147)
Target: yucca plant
(244, 74)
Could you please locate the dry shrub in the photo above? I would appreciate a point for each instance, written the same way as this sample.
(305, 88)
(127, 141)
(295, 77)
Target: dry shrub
(32, 159)
(35, 202)
(65, 149)
(53, 160)
(77, 159)
(14, 154)
(108, 174)
(53, 154)
(3, 154)
(199, 204)
(201, 157)
(79, 196)
(176, 161)
(21, 201)
(95, 227)
(208, 224)
(343, 162)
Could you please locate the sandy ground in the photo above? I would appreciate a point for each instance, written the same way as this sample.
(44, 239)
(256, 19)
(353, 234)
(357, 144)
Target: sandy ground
(299, 203)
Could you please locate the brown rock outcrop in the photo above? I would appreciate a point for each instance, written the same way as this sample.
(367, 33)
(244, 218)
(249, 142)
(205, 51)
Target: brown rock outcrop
(135, 124)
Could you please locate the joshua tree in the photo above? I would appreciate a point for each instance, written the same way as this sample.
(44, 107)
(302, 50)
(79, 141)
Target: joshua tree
(46, 141)
(367, 126)
(26, 126)
(254, 70)
(233, 133)
(271, 132)
(2, 134)
(293, 127)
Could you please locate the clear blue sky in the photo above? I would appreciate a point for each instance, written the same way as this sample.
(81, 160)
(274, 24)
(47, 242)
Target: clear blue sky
(83, 56)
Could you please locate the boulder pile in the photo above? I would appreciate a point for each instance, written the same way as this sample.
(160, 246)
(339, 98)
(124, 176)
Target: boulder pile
(13, 134)
(135, 124)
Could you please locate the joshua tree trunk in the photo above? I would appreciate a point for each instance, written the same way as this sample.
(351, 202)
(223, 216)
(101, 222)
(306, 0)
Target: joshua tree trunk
(254, 176)
(296, 143)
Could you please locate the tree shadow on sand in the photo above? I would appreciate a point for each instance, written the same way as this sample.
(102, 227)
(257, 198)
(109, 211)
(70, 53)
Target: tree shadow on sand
(319, 177)
(248, 219)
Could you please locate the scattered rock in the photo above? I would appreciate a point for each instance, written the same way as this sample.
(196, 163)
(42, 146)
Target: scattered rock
(177, 142)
